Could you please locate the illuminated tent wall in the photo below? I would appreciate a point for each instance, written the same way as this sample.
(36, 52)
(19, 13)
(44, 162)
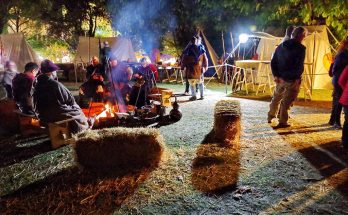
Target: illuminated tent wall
(212, 56)
(15, 48)
(88, 47)
(317, 47)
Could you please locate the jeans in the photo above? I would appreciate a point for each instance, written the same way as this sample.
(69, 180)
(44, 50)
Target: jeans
(283, 97)
(345, 128)
(199, 83)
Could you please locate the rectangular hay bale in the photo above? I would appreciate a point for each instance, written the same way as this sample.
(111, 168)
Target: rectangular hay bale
(119, 148)
(227, 122)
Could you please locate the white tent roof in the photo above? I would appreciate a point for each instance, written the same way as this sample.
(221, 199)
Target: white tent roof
(15, 48)
(88, 47)
(317, 46)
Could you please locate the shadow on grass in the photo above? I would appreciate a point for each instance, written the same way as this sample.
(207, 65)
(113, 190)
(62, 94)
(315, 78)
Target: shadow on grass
(332, 162)
(215, 169)
(329, 158)
(14, 151)
(75, 192)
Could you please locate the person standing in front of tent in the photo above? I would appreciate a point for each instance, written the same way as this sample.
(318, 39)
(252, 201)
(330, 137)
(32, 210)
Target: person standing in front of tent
(195, 61)
(340, 62)
(287, 67)
(343, 82)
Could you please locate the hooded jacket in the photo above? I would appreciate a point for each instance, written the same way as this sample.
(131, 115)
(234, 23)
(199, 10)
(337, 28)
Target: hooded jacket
(53, 102)
(288, 60)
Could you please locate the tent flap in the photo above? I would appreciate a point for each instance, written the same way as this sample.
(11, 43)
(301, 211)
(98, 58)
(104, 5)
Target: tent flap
(15, 48)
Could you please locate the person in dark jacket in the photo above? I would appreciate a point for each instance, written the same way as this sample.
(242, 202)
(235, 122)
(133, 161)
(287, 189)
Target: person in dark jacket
(195, 62)
(21, 88)
(93, 87)
(340, 62)
(53, 102)
(287, 67)
(343, 82)
(145, 81)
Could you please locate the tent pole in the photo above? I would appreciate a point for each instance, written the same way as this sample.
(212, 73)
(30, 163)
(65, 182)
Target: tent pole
(313, 65)
(232, 41)
(223, 43)
(89, 48)
(226, 76)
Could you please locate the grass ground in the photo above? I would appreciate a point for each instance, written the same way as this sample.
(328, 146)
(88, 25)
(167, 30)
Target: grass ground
(298, 170)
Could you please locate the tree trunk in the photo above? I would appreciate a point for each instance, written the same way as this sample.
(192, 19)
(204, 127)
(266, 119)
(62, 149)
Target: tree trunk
(3, 21)
(91, 24)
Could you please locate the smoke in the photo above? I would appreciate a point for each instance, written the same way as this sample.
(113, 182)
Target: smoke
(144, 21)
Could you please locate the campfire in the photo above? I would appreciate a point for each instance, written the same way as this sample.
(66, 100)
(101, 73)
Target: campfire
(106, 115)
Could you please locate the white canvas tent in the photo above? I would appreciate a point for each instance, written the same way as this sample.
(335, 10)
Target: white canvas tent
(14, 47)
(317, 46)
(88, 47)
(211, 53)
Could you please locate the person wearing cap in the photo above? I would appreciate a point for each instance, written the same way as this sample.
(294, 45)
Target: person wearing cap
(9, 74)
(53, 102)
(22, 84)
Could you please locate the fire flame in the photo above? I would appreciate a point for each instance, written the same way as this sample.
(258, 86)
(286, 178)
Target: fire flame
(108, 112)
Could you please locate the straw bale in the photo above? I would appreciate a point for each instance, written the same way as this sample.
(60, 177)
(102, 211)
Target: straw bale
(119, 149)
(227, 122)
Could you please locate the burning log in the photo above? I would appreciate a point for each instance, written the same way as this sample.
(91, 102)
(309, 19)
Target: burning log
(227, 119)
(119, 149)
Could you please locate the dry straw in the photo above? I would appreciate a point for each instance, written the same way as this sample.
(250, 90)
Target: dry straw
(227, 118)
(119, 149)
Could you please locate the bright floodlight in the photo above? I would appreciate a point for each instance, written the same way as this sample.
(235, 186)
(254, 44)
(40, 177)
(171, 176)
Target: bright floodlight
(243, 38)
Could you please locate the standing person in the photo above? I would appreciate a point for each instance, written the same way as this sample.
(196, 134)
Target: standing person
(9, 74)
(22, 85)
(183, 59)
(53, 102)
(287, 67)
(195, 61)
(343, 82)
(340, 62)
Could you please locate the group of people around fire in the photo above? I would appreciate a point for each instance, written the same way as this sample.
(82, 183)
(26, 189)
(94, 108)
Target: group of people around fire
(36, 91)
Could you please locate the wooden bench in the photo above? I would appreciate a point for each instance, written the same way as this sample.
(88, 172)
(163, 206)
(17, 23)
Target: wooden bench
(58, 132)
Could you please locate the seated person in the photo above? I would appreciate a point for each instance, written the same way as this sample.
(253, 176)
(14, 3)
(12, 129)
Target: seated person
(93, 87)
(8, 75)
(121, 75)
(53, 102)
(22, 84)
(145, 81)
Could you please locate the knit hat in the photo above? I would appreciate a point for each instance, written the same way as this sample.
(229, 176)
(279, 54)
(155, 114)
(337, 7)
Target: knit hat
(48, 66)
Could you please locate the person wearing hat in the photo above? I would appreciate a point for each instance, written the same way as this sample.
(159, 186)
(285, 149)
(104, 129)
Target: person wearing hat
(22, 84)
(53, 102)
